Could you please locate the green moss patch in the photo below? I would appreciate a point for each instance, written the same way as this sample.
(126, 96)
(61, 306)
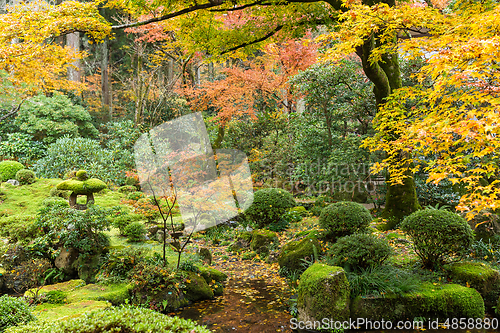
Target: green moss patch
(53, 312)
(431, 300)
(479, 276)
(79, 187)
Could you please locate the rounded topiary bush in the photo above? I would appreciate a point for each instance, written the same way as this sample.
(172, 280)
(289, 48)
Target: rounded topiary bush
(438, 235)
(115, 319)
(25, 177)
(14, 311)
(269, 205)
(344, 218)
(135, 196)
(135, 232)
(8, 169)
(360, 251)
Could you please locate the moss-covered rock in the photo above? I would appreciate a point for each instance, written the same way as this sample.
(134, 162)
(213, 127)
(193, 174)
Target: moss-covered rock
(210, 274)
(81, 185)
(196, 288)
(262, 240)
(214, 279)
(292, 253)
(323, 293)
(481, 277)
(430, 301)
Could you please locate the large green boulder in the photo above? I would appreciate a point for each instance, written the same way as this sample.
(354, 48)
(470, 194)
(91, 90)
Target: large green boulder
(293, 253)
(479, 276)
(323, 293)
(432, 300)
(214, 279)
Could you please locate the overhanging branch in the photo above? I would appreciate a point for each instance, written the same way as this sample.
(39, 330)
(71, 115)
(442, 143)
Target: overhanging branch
(258, 40)
(169, 16)
(12, 112)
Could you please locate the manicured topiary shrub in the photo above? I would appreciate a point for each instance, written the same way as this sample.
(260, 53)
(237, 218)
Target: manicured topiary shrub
(135, 196)
(135, 232)
(127, 189)
(269, 205)
(25, 177)
(8, 169)
(14, 311)
(117, 319)
(359, 251)
(344, 218)
(437, 235)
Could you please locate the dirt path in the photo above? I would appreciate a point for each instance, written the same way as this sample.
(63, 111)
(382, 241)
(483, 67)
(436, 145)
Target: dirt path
(255, 298)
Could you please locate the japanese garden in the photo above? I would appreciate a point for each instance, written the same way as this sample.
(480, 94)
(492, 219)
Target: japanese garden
(249, 166)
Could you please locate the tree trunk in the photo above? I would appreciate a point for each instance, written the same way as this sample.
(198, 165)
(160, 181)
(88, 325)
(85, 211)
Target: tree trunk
(105, 89)
(400, 200)
(74, 71)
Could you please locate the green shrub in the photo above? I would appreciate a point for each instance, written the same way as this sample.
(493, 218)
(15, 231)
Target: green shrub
(135, 232)
(21, 147)
(359, 251)
(135, 196)
(269, 205)
(438, 235)
(13, 311)
(119, 138)
(8, 169)
(119, 264)
(66, 153)
(25, 177)
(50, 118)
(121, 223)
(115, 319)
(71, 228)
(344, 218)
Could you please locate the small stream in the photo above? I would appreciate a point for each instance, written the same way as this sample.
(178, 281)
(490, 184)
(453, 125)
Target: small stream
(247, 306)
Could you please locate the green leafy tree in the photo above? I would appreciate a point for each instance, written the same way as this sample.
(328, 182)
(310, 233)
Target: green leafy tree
(50, 118)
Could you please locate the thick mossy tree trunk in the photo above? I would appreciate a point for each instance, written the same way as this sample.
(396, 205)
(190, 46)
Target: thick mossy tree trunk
(401, 200)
